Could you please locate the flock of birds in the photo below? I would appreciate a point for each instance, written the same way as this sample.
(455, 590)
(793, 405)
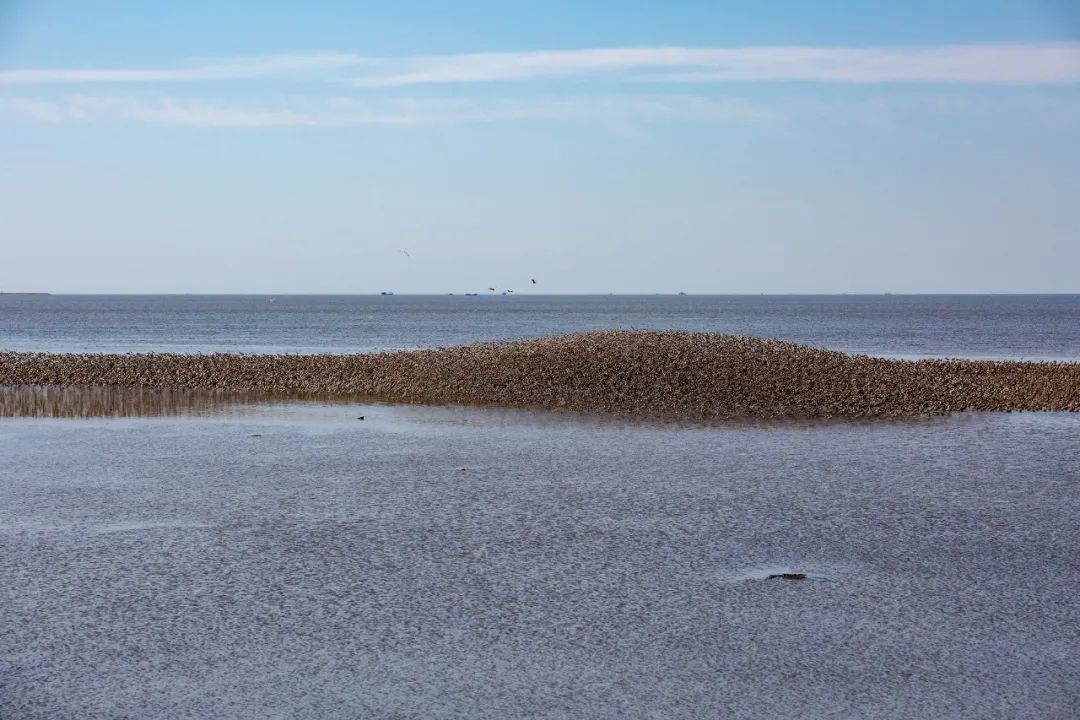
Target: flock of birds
(691, 376)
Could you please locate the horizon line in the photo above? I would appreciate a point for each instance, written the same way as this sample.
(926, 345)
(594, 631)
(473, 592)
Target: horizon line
(536, 294)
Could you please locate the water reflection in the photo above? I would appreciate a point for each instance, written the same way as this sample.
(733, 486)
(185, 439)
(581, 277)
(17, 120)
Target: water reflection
(82, 401)
(116, 401)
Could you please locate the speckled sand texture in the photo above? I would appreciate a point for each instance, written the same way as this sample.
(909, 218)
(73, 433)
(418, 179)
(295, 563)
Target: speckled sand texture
(642, 373)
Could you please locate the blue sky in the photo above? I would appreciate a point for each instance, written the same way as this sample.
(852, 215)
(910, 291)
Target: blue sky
(597, 146)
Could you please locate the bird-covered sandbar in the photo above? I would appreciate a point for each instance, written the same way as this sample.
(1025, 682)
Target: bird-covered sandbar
(651, 374)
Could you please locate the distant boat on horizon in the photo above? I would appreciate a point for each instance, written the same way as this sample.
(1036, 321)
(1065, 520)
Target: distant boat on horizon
(24, 293)
(386, 292)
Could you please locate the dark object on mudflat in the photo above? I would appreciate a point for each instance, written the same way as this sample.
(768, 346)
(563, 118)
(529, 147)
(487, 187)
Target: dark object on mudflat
(787, 576)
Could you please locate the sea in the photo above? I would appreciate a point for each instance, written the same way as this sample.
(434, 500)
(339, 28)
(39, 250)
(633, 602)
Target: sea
(979, 326)
(290, 560)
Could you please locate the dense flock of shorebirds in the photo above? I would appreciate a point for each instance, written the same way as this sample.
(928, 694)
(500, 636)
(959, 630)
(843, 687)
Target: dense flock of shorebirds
(636, 373)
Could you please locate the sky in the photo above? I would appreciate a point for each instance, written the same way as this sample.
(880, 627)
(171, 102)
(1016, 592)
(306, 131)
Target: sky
(597, 146)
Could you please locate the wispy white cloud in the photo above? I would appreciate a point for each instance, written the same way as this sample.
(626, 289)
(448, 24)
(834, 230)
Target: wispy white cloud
(1016, 63)
(346, 111)
(167, 111)
(626, 114)
(977, 64)
(236, 68)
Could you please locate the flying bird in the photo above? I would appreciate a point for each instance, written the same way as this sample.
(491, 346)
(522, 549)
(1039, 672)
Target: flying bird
(406, 253)
(533, 280)
(491, 289)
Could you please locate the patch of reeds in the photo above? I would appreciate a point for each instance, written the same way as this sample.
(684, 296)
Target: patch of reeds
(639, 373)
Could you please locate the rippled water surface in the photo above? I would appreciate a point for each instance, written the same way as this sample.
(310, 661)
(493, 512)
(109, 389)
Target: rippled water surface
(999, 326)
(217, 556)
(292, 561)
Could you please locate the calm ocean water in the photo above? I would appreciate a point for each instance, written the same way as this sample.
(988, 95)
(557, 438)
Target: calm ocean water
(1013, 326)
(290, 561)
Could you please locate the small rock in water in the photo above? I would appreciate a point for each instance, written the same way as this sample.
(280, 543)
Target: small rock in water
(787, 576)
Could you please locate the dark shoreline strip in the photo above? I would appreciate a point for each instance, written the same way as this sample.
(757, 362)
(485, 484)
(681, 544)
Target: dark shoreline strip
(638, 373)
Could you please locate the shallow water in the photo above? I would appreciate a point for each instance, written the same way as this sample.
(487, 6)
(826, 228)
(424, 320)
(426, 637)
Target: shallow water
(291, 561)
(229, 558)
(985, 326)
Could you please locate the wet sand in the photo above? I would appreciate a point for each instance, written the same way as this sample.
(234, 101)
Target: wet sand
(634, 373)
(296, 563)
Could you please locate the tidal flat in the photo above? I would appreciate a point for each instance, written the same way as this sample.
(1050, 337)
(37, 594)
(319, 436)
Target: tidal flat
(290, 561)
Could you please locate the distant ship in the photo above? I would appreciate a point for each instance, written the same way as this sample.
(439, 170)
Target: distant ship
(23, 293)
(386, 292)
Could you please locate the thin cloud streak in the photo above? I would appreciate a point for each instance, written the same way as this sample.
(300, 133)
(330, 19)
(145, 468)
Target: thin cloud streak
(344, 111)
(238, 68)
(980, 64)
(626, 114)
(1022, 64)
